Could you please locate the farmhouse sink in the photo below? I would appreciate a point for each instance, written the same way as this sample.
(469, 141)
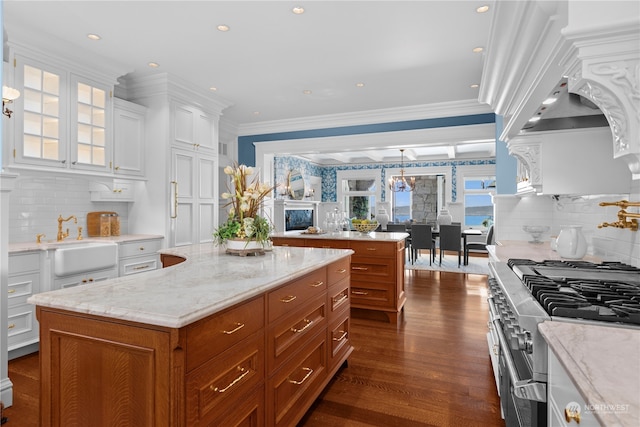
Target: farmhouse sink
(80, 257)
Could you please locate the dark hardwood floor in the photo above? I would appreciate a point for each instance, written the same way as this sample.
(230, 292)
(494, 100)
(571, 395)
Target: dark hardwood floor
(432, 369)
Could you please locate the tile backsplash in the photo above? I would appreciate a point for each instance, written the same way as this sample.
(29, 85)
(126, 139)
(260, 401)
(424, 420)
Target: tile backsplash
(611, 244)
(39, 198)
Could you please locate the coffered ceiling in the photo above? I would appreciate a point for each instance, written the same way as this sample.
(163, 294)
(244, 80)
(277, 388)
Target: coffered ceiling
(337, 58)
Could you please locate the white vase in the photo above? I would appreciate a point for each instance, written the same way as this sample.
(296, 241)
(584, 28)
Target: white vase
(444, 217)
(571, 243)
(242, 244)
(383, 218)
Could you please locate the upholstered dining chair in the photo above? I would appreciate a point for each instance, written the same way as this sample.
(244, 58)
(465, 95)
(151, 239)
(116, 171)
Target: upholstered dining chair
(402, 228)
(451, 240)
(478, 246)
(421, 238)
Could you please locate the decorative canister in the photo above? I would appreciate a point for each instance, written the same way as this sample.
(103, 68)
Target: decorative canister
(383, 218)
(105, 225)
(115, 224)
(444, 217)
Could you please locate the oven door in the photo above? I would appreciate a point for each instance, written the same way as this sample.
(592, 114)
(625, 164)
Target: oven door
(523, 400)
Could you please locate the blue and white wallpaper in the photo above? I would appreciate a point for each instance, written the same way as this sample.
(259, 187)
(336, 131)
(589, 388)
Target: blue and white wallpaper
(328, 173)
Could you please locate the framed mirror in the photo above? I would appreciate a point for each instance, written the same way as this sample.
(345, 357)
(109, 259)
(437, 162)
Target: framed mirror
(296, 185)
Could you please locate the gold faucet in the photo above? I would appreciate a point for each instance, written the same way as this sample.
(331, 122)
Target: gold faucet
(39, 237)
(61, 235)
(623, 215)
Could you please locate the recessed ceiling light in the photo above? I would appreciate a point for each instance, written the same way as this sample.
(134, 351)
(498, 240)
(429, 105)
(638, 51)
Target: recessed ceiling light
(477, 49)
(298, 10)
(153, 64)
(223, 28)
(359, 84)
(213, 88)
(307, 92)
(549, 101)
(482, 9)
(256, 113)
(534, 119)
(93, 36)
(475, 86)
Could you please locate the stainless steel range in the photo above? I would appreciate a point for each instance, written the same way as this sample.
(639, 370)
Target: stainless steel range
(524, 293)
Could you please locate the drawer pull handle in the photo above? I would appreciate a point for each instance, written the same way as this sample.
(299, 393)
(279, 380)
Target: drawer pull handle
(141, 248)
(337, 301)
(284, 244)
(12, 291)
(341, 271)
(572, 413)
(308, 323)
(359, 293)
(306, 377)
(341, 337)
(360, 268)
(244, 373)
(11, 326)
(236, 329)
(496, 349)
(316, 284)
(371, 249)
(288, 299)
(142, 267)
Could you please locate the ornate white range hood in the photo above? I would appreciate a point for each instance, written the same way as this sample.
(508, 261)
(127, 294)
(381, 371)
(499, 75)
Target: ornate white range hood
(596, 45)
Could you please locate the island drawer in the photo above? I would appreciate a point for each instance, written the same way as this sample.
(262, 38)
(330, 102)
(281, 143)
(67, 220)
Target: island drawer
(291, 389)
(338, 296)
(294, 295)
(375, 249)
(339, 338)
(139, 247)
(366, 293)
(327, 243)
(209, 337)
(372, 269)
(339, 270)
(220, 383)
(284, 241)
(288, 335)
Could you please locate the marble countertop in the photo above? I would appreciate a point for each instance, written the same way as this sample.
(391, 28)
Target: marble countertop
(346, 235)
(505, 249)
(207, 282)
(603, 363)
(52, 244)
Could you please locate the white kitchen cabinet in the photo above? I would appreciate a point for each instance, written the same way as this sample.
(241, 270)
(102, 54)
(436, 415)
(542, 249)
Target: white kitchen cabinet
(116, 190)
(138, 256)
(24, 281)
(84, 278)
(194, 128)
(576, 161)
(128, 138)
(566, 407)
(194, 197)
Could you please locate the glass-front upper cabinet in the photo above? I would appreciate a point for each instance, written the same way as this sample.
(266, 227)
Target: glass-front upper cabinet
(90, 113)
(63, 120)
(41, 129)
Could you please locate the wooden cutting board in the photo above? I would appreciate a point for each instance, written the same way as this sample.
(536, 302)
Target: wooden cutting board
(93, 223)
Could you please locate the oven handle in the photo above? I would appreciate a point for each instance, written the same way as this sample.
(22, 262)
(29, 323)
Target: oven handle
(524, 389)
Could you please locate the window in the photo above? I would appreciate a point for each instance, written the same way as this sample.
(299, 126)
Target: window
(478, 206)
(401, 206)
(91, 104)
(358, 190)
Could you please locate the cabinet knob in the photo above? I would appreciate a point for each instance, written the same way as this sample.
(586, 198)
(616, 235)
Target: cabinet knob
(11, 326)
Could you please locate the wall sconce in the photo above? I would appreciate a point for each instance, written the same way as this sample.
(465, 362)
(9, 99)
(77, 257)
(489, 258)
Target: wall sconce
(9, 94)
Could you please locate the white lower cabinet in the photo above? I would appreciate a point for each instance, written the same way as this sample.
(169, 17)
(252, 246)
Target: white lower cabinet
(24, 281)
(84, 278)
(139, 256)
(566, 407)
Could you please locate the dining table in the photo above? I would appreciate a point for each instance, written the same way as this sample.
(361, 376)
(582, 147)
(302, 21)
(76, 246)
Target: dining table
(464, 234)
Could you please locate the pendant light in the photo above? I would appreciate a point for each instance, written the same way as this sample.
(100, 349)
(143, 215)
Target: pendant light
(400, 183)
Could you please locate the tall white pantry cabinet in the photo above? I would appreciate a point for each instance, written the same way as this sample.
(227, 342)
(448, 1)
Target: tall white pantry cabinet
(179, 199)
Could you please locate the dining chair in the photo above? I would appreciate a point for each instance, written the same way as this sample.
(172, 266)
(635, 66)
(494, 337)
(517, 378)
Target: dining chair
(451, 240)
(421, 238)
(478, 246)
(402, 228)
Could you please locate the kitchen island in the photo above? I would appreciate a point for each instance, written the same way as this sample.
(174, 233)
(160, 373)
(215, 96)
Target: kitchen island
(215, 340)
(377, 265)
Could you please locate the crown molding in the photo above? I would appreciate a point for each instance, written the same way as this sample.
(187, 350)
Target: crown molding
(387, 115)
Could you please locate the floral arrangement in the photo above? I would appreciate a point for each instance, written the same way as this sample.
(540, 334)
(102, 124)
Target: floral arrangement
(246, 199)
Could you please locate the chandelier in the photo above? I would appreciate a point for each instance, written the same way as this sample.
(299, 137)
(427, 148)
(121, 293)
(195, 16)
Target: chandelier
(400, 183)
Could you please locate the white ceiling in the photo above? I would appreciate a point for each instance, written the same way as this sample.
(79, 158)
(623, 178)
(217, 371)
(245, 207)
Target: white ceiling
(407, 53)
